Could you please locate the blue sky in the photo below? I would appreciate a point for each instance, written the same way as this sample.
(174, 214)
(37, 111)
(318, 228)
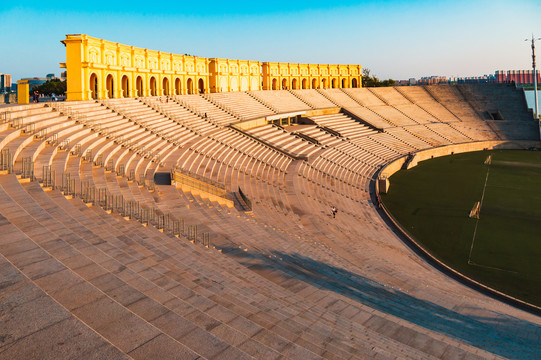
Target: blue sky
(395, 39)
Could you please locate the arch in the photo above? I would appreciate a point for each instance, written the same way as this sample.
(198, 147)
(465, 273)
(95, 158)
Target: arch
(178, 86)
(255, 83)
(333, 83)
(110, 86)
(125, 86)
(93, 86)
(244, 84)
(274, 84)
(234, 84)
(284, 84)
(189, 86)
(304, 84)
(223, 84)
(139, 86)
(353, 83)
(294, 84)
(324, 83)
(153, 90)
(165, 86)
(201, 86)
(314, 84)
(344, 83)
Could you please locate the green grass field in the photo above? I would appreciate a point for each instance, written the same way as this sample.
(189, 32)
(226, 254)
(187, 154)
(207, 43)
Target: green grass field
(502, 249)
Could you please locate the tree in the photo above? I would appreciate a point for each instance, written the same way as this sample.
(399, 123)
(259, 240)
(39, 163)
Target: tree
(373, 81)
(51, 86)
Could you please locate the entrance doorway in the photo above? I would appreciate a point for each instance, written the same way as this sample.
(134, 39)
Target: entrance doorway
(201, 86)
(165, 86)
(177, 86)
(93, 86)
(139, 86)
(110, 86)
(153, 91)
(125, 86)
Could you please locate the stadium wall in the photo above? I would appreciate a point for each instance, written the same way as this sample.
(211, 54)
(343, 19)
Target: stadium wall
(101, 69)
(388, 170)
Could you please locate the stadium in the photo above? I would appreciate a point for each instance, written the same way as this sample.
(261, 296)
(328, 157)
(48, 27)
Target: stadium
(179, 207)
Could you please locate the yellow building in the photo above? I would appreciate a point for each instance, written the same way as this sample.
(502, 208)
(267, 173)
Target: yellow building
(100, 69)
(234, 75)
(288, 76)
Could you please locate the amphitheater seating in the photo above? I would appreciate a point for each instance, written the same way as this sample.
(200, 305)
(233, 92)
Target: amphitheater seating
(339, 97)
(343, 124)
(454, 102)
(509, 102)
(366, 97)
(313, 98)
(419, 96)
(204, 107)
(371, 117)
(241, 104)
(84, 279)
(317, 133)
(284, 140)
(281, 101)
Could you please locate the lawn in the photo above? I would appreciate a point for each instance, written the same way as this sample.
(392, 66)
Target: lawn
(432, 202)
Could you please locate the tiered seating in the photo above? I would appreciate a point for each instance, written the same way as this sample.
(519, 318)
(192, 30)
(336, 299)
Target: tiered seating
(289, 280)
(317, 133)
(313, 98)
(284, 140)
(509, 101)
(338, 97)
(453, 101)
(205, 107)
(281, 101)
(407, 137)
(241, 104)
(477, 130)
(419, 96)
(427, 135)
(392, 143)
(449, 132)
(366, 97)
(179, 115)
(371, 117)
(345, 125)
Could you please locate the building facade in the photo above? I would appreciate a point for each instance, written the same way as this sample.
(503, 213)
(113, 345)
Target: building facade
(234, 75)
(288, 76)
(5, 83)
(519, 77)
(100, 69)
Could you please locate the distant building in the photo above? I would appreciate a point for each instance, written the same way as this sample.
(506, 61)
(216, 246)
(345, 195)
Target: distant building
(484, 79)
(432, 80)
(50, 77)
(5, 83)
(519, 77)
(410, 81)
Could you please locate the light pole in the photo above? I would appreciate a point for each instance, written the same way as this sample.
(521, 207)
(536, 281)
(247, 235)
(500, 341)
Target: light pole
(536, 106)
